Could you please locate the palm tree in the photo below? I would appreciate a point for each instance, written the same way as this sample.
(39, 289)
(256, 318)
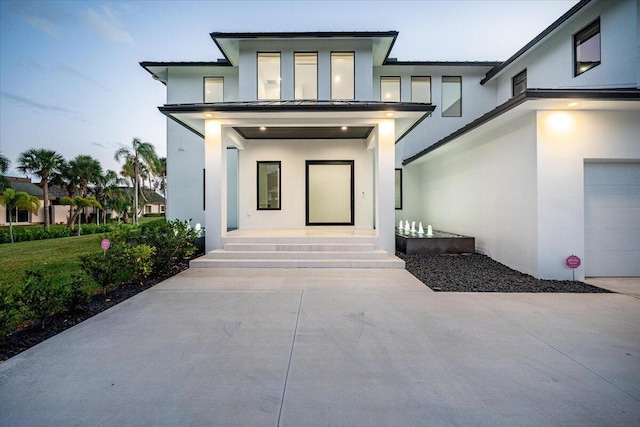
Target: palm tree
(108, 187)
(161, 172)
(139, 153)
(4, 167)
(87, 170)
(80, 203)
(18, 200)
(42, 163)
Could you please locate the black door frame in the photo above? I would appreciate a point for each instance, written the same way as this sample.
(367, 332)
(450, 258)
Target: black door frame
(352, 198)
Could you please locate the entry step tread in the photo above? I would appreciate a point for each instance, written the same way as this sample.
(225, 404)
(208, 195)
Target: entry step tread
(297, 254)
(390, 262)
(299, 246)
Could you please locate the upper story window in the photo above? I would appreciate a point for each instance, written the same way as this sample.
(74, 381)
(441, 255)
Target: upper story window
(586, 48)
(306, 75)
(451, 96)
(342, 75)
(519, 83)
(213, 89)
(268, 75)
(421, 89)
(390, 89)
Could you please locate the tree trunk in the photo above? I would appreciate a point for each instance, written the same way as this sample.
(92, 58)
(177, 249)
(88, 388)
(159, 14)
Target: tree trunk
(135, 193)
(10, 227)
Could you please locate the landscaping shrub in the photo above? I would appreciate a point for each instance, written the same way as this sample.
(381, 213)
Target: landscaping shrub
(39, 296)
(173, 240)
(74, 294)
(37, 232)
(8, 311)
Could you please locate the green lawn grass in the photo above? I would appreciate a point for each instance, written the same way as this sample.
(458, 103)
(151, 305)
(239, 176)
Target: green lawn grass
(57, 258)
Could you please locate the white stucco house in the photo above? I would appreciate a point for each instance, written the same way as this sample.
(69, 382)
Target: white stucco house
(537, 157)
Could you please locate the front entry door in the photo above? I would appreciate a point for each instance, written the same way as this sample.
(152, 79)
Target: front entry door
(330, 192)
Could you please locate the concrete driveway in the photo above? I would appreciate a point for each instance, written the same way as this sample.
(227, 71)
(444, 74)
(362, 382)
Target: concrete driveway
(307, 347)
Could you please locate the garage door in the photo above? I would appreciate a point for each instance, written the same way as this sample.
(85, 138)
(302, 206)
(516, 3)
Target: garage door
(612, 219)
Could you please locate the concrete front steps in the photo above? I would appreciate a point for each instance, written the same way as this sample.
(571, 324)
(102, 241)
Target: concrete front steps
(298, 252)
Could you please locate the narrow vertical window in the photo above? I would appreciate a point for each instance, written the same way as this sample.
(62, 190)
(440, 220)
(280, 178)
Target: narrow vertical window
(390, 89)
(268, 185)
(451, 96)
(268, 75)
(519, 83)
(306, 75)
(213, 89)
(342, 75)
(586, 48)
(398, 188)
(421, 89)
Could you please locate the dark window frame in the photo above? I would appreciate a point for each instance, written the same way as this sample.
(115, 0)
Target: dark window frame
(350, 163)
(257, 73)
(582, 36)
(442, 94)
(204, 87)
(518, 80)
(399, 87)
(430, 87)
(258, 163)
(353, 53)
(17, 213)
(317, 74)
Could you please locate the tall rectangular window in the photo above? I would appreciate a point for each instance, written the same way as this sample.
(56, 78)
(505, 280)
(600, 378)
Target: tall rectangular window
(342, 75)
(421, 89)
(306, 75)
(17, 215)
(451, 96)
(519, 83)
(213, 89)
(390, 89)
(268, 75)
(586, 48)
(268, 185)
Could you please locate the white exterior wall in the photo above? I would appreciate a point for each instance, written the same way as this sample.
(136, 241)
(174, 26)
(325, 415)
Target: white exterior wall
(565, 141)
(248, 77)
(484, 185)
(550, 64)
(292, 154)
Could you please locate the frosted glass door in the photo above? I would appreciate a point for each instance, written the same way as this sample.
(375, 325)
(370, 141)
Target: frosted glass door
(330, 193)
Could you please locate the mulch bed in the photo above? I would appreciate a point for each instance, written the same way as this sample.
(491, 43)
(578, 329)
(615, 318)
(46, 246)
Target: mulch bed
(33, 334)
(480, 273)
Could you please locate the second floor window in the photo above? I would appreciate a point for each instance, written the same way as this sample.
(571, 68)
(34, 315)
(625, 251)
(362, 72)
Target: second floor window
(421, 89)
(268, 75)
(390, 89)
(586, 48)
(451, 96)
(213, 89)
(306, 75)
(342, 75)
(519, 83)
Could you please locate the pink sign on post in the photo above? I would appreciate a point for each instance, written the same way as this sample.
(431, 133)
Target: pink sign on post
(105, 244)
(573, 261)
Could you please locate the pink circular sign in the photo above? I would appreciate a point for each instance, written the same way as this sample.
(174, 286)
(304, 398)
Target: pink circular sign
(105, 244)
(573, 261)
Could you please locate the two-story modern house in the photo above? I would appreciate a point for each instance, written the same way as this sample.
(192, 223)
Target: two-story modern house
(301, 134)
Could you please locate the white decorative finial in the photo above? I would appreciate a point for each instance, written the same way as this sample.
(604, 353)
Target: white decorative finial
(429, 231)
(420, 229)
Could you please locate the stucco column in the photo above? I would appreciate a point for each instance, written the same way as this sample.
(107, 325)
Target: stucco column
(215, 185)
(385, 185)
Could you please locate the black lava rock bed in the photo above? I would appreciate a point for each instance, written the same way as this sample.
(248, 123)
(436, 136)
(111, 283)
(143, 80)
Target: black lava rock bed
(479, 273)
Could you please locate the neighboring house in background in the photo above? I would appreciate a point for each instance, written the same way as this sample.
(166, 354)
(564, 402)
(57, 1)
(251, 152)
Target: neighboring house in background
(57, 212)
(154, 203)
(538, 157)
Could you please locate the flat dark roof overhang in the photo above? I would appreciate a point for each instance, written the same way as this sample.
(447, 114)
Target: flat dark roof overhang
(623, 94)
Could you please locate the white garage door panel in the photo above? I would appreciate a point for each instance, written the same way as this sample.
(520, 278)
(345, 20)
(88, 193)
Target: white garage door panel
(612, 219)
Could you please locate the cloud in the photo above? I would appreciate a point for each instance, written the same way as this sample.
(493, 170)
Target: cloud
(42, 15)
(72, 71)
(38, 106)
(98, 144)
(106, 23)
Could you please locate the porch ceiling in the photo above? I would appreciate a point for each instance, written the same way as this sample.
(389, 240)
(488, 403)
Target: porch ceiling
(300, 119)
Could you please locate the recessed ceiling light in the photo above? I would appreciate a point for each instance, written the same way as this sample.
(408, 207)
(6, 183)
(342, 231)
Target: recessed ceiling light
(344, 128)
(263, 128)
(389, 114)
(208, 115)
(573, 104)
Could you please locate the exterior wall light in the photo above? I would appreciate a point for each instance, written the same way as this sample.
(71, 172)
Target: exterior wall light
(262, 128)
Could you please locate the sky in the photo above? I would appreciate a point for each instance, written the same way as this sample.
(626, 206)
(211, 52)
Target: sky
(70, 78)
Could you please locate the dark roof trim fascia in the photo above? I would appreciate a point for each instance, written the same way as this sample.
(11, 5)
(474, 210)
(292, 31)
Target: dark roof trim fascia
(446, 63)
(492, 73)
(145, 64)
(168, 114)
(528, 95)
(295, 106)
(300, 35)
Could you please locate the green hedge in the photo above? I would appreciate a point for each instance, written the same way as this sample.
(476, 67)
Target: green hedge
(27, 234)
